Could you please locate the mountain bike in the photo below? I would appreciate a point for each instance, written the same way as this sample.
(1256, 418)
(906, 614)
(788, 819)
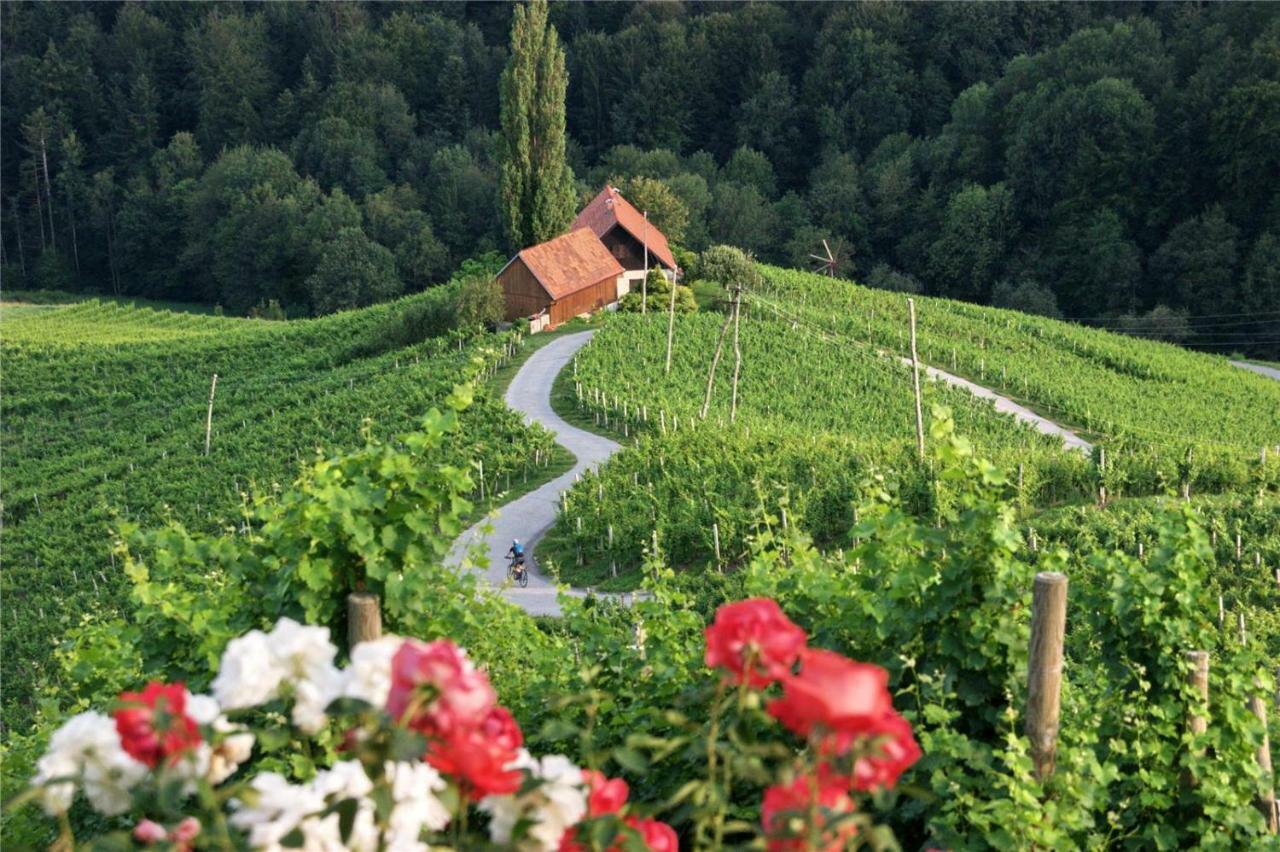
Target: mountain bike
(518, 571)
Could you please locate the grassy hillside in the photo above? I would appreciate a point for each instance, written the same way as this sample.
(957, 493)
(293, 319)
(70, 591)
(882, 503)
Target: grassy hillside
(824, 407)
(104, 418)
(1115, 386)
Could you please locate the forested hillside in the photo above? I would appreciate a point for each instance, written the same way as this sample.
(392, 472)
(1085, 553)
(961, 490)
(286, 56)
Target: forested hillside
(1089, 160)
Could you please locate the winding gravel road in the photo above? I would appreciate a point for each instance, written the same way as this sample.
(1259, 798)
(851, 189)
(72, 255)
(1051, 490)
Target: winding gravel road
(1269, 372)
(529, 517)
(1002, 403)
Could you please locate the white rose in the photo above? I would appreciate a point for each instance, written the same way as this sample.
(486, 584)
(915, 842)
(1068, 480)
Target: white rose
(234, 745)
(249, 673)
(86, 748)
(301, 649)
(556, 804)
(272, 808)
(413, 789)
(368, 677)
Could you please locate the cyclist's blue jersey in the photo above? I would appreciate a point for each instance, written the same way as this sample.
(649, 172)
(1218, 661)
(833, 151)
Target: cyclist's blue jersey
(517, 549)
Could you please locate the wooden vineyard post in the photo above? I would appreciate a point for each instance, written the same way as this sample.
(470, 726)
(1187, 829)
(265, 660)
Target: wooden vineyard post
(1044, 668)
(613, 563)
(711, 375)
(208, 422)
(1199, 678)
(1267, 798)
(644, 284)
(364, 618)
(737, 353)
(715, 536)
(671, 326)
(915, 379)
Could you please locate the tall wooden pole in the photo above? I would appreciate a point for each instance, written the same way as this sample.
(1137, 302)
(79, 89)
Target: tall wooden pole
(1044, 668)
(715, 360)
(1267, 798)
(208, 422)
(1199, 680)
(915, 378)
(644, 285)
(737, 353)
(671, 323)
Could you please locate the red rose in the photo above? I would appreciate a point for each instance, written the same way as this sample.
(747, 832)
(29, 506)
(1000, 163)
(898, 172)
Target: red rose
(500, 727)
(892, 750)
(569, 841)
(606, 796)
(657, 836)
(153, 724)
(753, 634)
(832, 693)
(786, 810)
(438, 686)
(477, 762)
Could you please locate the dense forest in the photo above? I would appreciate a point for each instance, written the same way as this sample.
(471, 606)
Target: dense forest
(1110, 162)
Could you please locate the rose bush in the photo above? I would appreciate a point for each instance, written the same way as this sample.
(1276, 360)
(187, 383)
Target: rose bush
(428, 758)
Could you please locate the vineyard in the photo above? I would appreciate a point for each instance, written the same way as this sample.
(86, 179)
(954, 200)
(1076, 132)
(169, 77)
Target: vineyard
(810, 492)
(105, 416)
(1117, 387)
(820, 406)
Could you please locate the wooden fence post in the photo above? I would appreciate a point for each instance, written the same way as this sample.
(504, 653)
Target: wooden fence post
(364, 618)
(737, 353)
(1199, 678)
(915, 379)
(1267, 798)
(208, 423)
(1044, 668)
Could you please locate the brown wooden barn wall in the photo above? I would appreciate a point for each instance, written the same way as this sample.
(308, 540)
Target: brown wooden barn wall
(522, 293)
(627, 249)
(525, 297)
(584, 301)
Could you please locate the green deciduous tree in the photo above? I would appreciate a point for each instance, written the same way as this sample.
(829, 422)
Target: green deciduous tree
(666, 211)
(971, 251)
(1262, 275)
(1198, 263)
(1093, 265)
(479, 301)
(353, 271)
(536, 181)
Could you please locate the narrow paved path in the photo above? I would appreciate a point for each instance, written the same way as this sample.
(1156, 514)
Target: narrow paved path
(528, 517)
(1002, 403)
(1269, 372)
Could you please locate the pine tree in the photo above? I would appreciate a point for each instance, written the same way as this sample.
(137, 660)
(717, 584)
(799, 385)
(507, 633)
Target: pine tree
(537, 197)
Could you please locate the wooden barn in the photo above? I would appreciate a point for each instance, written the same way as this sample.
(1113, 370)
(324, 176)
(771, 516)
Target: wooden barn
(626, 233)
(561, 278)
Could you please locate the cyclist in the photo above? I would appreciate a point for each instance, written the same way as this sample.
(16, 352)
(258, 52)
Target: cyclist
(516, 553)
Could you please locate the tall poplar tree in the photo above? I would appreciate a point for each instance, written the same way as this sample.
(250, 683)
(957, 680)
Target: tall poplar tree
(537, 197)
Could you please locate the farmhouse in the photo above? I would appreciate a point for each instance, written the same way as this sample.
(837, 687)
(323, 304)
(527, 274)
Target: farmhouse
(626, 233)
(561, 278)
(605, 253)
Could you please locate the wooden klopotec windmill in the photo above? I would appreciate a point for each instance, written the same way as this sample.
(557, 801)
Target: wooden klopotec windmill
(827, 262)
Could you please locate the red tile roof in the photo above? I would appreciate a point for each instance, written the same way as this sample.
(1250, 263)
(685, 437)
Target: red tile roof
(570, 262)
(609, 208)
